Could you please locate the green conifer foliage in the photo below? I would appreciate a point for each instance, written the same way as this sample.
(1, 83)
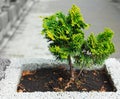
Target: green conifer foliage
(96, 49)
(65, 33)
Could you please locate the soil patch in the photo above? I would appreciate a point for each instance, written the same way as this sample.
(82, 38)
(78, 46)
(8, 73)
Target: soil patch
(57, 79)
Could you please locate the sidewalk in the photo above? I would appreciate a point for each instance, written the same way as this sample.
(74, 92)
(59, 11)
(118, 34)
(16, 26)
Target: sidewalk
(28, 42)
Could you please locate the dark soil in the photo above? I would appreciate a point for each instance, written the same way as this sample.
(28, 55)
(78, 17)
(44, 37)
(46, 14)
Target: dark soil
(58, 79)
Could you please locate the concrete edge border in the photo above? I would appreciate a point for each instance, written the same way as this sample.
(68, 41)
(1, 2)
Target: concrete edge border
(8, 85)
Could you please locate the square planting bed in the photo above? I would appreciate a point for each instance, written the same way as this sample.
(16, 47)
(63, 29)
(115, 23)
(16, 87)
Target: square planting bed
(11, 84)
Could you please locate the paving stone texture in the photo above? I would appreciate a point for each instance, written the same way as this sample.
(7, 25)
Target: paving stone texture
(28, 42)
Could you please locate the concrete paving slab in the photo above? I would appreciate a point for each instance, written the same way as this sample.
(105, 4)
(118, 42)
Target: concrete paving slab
(17, 3)
(12, 15)
(3, 22)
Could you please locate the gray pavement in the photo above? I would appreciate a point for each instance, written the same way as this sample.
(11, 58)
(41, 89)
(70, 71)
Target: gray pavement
(28, 42)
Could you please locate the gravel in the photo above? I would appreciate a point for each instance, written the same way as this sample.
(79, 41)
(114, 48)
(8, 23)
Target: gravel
(8, 86)
(3, 63)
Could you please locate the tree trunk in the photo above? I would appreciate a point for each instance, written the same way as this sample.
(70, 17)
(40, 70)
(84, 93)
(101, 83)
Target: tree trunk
(71, 67)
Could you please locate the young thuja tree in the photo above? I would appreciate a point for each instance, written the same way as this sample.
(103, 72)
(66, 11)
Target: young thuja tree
(65, 34)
